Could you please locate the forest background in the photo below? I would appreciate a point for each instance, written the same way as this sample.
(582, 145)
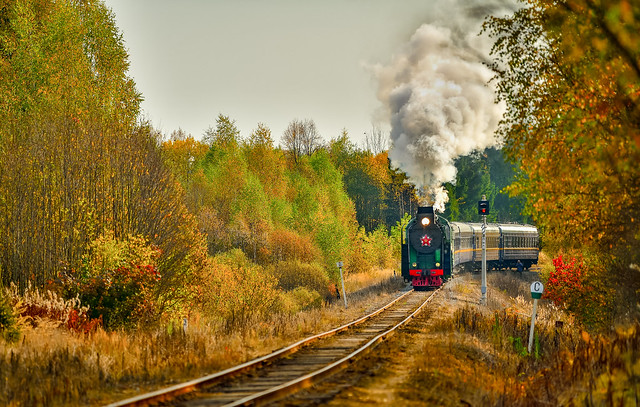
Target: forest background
(106, 222)
(98, 206)
(141, 227)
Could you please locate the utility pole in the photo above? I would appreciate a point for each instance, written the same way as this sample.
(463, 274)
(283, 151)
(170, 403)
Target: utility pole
(483, 209)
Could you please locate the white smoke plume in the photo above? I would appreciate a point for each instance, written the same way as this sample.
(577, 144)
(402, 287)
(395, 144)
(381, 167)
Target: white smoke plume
(438, 100)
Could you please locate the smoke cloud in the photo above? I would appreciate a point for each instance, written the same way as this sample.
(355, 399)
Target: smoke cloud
(437, 98)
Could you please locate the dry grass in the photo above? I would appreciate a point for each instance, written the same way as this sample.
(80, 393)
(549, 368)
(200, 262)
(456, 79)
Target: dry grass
(51, 366)
(487, 362)
(358, 281)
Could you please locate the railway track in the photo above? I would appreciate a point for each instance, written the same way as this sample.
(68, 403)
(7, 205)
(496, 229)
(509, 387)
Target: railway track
(294, 368)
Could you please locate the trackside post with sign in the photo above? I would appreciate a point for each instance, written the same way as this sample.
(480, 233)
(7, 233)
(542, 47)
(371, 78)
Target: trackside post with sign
(344, 295)
(537, 288)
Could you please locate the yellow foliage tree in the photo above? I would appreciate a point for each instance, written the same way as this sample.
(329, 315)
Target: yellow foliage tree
(569, 72)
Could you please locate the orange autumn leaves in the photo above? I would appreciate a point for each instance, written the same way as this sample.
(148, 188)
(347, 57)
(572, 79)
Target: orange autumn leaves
(569, 73)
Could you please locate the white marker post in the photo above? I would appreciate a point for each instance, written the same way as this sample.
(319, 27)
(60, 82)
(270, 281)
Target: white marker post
(344, 295)
(537, 288)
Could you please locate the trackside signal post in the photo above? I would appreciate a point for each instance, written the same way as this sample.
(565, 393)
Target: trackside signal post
(483, 209)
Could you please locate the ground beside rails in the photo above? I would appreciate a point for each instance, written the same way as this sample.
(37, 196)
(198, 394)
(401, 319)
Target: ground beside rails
(292, 368)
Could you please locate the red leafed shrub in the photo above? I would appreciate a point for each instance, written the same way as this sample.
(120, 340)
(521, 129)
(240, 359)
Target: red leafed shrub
(118, 281)
(120, 298)
(579, 289)
(80, 321)
(566, 283)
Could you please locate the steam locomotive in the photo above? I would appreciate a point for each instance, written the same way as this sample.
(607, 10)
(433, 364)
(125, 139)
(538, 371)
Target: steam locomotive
(432, 247)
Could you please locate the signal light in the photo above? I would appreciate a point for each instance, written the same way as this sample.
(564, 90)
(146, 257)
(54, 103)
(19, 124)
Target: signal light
(483, 207)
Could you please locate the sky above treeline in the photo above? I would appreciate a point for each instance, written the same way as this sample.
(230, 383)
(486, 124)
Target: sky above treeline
(269, 61)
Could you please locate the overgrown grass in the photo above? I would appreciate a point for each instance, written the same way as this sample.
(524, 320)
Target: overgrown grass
(51, 365)
(487, 361)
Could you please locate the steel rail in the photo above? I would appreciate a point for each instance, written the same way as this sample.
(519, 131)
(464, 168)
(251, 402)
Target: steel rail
(169, 393)
(310, 379)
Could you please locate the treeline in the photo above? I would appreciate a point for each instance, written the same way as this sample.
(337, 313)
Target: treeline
(485, 173)
(312, 203)
(96, 204)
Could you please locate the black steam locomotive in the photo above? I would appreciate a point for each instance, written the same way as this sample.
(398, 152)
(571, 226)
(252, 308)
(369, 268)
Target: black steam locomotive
(432, 247)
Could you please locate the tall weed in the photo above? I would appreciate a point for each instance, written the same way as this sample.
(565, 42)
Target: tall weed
(35, 307)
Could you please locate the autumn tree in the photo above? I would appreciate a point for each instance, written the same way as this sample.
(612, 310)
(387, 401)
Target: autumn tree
(483, 173)
(401, 196)
(225, 132)
(376, 141)
(182, 154)
(266, 161)
(74, 162)
(364, 180)
(301, 137)
(381, 194)
(64, 94)
(569, 72)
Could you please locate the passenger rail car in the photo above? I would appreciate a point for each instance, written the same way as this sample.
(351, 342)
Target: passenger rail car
(518, 242)
(432, 247)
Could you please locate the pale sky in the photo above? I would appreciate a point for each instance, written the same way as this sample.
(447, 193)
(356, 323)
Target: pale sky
(268, 61)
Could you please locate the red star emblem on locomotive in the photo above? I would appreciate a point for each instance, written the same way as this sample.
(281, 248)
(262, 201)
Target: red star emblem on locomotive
(426, 241)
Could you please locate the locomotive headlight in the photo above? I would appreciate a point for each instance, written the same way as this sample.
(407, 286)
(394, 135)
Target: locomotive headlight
(414, 265)
(425, 221)
(437, 264)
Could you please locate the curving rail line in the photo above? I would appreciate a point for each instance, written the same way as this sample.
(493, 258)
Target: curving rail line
(295, 369)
